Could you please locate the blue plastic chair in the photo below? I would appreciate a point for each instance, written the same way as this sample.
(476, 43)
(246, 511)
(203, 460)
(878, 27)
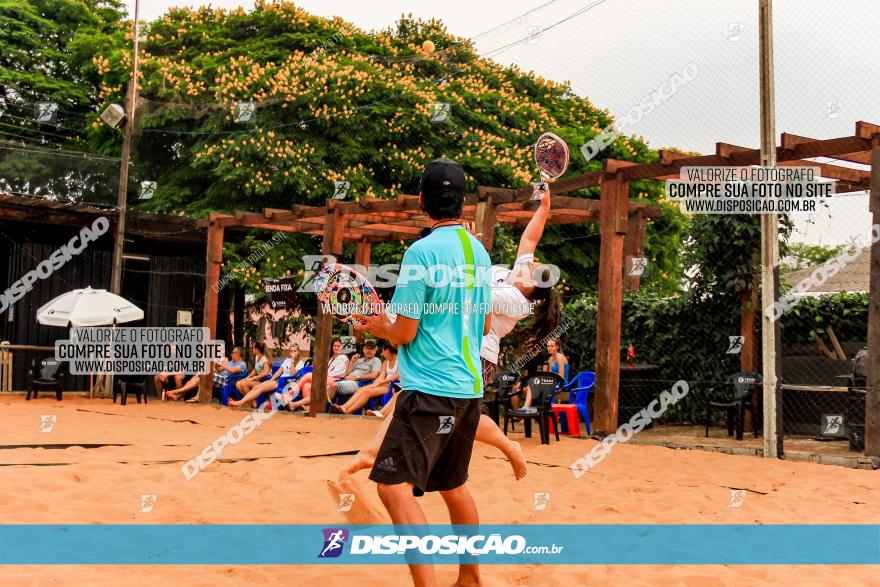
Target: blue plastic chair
(229, 389)
(283, 381)
(578, 390)
(386, 397)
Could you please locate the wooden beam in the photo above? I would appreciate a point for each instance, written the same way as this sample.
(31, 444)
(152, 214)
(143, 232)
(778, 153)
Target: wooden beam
(831, 171)
(587, 180)
(872, 399)
(825, 148)
(852, 176)
(398, 204)
(667, 156)
(334, 228)
(296, 212)
(615, 165)
(655, 170)
(396, 227)
(612, 230)
(213, 262)
(790, 141)
(367, 219)
(405, 215)
(866, 130)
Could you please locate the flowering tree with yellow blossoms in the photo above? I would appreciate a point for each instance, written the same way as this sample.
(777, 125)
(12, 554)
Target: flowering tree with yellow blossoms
(335, 103)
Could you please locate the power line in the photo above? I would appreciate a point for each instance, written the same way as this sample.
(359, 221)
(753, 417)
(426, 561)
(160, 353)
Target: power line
(40, 132)
(512, 20)
(554, 25)
(58, 152)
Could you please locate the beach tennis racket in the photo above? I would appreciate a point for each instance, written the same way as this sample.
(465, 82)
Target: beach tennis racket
(551, 156)
(344, 293)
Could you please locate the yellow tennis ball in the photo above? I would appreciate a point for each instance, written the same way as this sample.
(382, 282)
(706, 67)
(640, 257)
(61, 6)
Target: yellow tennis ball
(428, 46)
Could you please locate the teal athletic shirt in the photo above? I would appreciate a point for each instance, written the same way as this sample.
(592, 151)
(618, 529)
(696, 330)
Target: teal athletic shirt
(439, 278)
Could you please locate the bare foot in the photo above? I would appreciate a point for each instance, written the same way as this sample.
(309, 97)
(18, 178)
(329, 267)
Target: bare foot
(362, 511)
(361, 461)
(514, 454)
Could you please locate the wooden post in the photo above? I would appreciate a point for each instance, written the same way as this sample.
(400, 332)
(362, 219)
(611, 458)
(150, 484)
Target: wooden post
(213, 260)
(127, 132)
(362, 258)
(612, 228)
(634, 246)
(872, 400)
(485, 220)
(334, 230)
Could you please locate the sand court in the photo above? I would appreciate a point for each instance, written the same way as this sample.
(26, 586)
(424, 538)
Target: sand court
(99, 459)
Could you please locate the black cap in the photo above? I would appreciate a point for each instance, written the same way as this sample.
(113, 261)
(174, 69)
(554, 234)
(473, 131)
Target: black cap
(443, 178)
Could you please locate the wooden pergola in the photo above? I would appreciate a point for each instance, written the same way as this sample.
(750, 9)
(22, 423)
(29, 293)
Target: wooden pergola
(622, 227)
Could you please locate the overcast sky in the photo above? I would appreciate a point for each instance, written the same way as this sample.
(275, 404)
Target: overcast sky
(615, 52)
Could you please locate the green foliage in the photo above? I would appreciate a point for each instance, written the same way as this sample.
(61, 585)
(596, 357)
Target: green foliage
(338, 103)
(801, 255)
(846, 313)
(687, 336)
(45, 56)
(333, 103)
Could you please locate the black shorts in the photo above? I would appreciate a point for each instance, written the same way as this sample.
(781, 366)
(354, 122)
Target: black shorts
(428, 443)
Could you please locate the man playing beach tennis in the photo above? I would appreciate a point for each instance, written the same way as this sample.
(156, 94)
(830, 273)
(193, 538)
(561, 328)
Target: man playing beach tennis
(429, 442)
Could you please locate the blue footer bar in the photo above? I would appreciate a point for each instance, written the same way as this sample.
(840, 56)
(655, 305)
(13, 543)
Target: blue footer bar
(279, 544)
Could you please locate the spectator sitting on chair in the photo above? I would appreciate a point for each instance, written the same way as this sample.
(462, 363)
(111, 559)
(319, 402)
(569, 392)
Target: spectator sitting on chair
(262, 369)
(359, 368)
(291, 365)
(557, 361)
(221, 374)
(380, 387)
(337, 367)
(165, 378)
(536, 364)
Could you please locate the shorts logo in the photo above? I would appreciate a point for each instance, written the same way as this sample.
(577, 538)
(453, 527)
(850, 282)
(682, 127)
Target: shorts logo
(446, 424)
(387, 465)
(334, 541)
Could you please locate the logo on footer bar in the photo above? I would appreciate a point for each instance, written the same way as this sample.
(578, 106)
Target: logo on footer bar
(334, 541)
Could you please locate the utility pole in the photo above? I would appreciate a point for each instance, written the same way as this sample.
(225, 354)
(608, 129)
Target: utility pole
(128, 130)
(769, 235)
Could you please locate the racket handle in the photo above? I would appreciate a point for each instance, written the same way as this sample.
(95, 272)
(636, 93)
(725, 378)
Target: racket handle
(539, 192)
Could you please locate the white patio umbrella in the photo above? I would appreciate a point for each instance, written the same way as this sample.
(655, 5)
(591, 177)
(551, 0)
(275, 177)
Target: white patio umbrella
(88, 307)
